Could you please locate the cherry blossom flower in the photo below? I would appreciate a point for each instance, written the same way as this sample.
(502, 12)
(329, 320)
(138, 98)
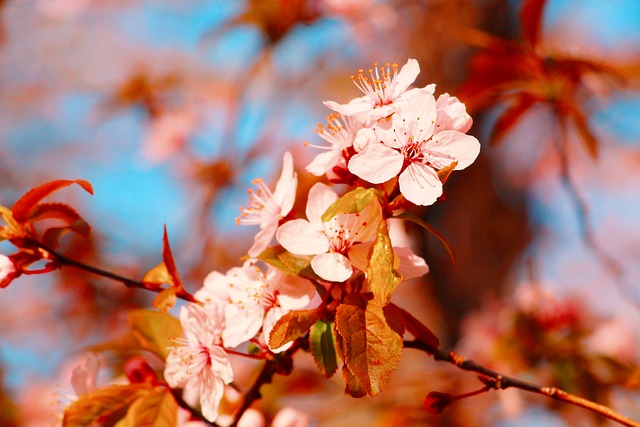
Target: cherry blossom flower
(8, 271)
(199, 363)
(415, 148)
(384, 90)
(266, 208)
(255, 299)
(329, 241)
(340, 133)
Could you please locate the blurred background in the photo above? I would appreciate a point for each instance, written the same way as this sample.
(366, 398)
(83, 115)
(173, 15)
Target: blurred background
(171, 108)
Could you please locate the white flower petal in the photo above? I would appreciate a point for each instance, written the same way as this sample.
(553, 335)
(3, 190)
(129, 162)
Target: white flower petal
(285, 192)
(420, 184)
(299, 237)
(406, 76)
(263, 239)
(241, 324)
(409, 265)
(377, 164)
(452, 145)
(332, 266)
(321, 196)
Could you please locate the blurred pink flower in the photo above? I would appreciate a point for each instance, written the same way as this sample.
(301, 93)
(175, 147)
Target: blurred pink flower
(416, 148)
(615, 338)
(85, 376)
(266, 209)
(199, 363)
(329, 241)
(255, 300)
(167, 134)
(8, 271)
(290, 417)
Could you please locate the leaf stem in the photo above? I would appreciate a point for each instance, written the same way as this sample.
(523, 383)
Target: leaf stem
(501, 382)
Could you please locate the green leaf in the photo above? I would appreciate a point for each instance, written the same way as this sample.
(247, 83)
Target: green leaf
(381, 275)
(280, 258)
(104, 406)
(292, 325)
(22, 207)
(158, 408)
(154, 330)
(415, 219)
(372, 349)
(323, 347)
(352, 202)
(414, 326)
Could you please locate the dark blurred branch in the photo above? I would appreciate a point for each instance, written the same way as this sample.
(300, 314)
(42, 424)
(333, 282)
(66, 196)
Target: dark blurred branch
(498, 381)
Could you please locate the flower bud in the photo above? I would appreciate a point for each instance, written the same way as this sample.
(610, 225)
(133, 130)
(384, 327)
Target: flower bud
(138, 370)
(8, 271)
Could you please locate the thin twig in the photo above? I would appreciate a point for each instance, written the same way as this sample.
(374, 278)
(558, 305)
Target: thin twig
(130, 283)
(502, 382)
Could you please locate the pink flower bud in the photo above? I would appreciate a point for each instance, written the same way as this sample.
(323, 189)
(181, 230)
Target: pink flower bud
(8, 271)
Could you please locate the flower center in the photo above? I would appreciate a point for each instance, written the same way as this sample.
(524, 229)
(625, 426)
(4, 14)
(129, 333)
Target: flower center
(379, 84)
(260, 206)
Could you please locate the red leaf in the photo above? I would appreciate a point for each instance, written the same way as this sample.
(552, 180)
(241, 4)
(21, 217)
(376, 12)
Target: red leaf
(512, 115)
(62, 212)
(25, 204)
(169, 262)
(531, 15)
(416, 328)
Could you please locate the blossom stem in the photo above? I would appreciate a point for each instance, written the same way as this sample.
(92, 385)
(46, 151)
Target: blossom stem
(497, 381)
(130, 283)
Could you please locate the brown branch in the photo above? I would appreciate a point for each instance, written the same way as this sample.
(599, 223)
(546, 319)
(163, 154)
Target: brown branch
(280, 363)
(63, 260)
(501, 382)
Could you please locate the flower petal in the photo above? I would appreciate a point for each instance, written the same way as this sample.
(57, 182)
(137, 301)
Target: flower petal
(285, 192)
(321, 196)
(420, 184)
(332, 266)
(264, 237)
(241, 324)
(406, 76)
(355, 106)
(377, 164)
(409, 265)
(299, 237)
(294, 293)
(451, 145)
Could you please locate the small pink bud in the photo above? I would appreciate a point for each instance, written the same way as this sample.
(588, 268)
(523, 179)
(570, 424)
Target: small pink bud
(435, 402)
(138, 370)
(8, 271)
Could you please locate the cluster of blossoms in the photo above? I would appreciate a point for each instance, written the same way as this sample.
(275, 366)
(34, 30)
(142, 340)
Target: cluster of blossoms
(394, 139)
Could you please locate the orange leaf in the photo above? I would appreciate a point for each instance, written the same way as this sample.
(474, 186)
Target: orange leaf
(415, 327)
(23, 206)
(292, 325)
(372, 349)
(165, 300)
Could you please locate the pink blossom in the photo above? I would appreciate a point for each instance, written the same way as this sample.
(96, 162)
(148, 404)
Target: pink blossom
(266, 209)
(8, 271)
(452, 114)
(415, 148)
(329, 241)
(385, 88)
(255, 299)
(199, 364)
(340, 133)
